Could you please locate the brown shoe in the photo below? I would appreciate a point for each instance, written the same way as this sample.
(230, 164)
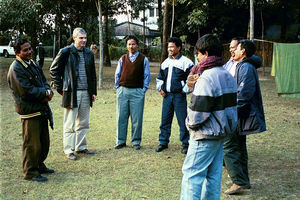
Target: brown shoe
(234, 189)
(71, 156)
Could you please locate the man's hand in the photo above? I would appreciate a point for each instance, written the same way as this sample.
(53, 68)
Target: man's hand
(163, 94)
(94, 98)
(191, 80)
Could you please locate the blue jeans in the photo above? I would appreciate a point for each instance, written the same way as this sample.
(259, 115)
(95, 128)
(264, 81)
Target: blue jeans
(174, 102)
(202, 170)
(130, 102)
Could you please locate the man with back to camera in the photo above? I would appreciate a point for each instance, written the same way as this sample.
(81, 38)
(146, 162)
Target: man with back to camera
(212, 115)
(74, 75)
(170, 83)
(31, 94)
(250, 114)
(40, 54)
(132, 79)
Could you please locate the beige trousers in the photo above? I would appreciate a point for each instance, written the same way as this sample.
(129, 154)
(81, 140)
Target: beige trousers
(76, 124)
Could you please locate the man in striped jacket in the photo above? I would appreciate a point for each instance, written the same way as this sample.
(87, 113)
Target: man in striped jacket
(212, 115)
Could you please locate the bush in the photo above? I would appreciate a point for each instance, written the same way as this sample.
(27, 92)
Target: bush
(153, 53)
(48, 51)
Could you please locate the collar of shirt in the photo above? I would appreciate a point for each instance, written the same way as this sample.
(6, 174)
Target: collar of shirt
(177, 58)
(132, 57)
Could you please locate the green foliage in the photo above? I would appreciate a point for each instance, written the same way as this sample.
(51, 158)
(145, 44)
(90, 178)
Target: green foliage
(116, 52)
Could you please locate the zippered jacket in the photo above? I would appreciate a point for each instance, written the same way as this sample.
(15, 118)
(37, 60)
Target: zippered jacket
(173, 74)
(249, 99)
(212, 113)
(64, 73)
(28, 85)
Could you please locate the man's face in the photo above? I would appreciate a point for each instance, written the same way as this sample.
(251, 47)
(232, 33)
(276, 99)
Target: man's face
(232, 47)
(200, 56)
(239, 53)
(132, 46)
(79, 40)
(26, 52)
(173, 50)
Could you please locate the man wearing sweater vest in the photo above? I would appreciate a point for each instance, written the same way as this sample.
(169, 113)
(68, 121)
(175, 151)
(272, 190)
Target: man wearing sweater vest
(132, 79)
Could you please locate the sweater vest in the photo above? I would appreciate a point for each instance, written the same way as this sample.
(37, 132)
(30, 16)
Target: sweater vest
(132, 72)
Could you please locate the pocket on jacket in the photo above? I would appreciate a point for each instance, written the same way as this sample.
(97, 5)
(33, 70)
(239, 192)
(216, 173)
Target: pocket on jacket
(66, 99)
(249, 124)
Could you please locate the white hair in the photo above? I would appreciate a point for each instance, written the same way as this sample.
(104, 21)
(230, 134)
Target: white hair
(78, 30)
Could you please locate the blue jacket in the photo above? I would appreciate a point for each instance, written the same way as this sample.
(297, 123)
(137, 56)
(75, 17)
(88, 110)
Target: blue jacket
(173, 74)
(249, 99)
(212, 113)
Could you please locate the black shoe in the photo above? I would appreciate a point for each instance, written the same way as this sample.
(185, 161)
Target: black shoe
(184, 150)
(137, 147)
(85, 151)
(46, 171)
(161, 147)
(71, 156)
(38, 178)
(120, 146)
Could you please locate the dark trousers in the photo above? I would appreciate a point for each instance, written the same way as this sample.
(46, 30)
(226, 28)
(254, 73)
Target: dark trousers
(41, 62)
(235, 156)
(35, 145)
(174, 102)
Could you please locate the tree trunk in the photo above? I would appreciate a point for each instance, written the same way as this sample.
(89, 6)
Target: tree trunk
(159, 17)
(164, 53)
(144, 28)
(106, 38)
(251, 20)
(262, 38)
(172, 24)
(101, 46)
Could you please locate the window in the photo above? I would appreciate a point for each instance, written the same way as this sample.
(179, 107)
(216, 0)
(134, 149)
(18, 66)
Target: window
(151, 12)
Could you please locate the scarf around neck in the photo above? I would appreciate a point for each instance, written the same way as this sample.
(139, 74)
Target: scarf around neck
(207, 63)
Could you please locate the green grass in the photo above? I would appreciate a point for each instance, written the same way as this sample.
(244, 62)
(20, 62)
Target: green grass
(274, 161)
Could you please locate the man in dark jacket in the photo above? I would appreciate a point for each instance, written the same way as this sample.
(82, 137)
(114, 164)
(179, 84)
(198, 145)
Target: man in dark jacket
(40, 50)
(73, 73)
(250, 114)
(31, 94)
(170, 82)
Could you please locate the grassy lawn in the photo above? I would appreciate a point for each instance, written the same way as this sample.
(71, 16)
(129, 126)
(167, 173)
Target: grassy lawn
(274, 160)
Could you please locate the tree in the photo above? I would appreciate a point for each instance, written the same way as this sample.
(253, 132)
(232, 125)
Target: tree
(164, 53)
(101, 45)
(251, 22)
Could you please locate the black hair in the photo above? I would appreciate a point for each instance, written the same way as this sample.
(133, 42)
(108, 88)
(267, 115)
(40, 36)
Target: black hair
(132, 37)
(177, 41)
(249, 47)
(237, 38)
(211, 44)
(18, 43)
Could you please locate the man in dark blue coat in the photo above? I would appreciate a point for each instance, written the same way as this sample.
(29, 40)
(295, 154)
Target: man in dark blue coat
(250, 114)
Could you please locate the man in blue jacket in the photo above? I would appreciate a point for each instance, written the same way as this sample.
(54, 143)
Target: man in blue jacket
(250, 114)
(170, 83)
(212, 115)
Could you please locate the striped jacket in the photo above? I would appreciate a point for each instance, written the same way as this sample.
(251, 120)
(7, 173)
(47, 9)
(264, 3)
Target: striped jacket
(212, 113)
(173, 74)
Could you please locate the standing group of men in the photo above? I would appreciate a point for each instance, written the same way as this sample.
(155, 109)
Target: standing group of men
(226, 105)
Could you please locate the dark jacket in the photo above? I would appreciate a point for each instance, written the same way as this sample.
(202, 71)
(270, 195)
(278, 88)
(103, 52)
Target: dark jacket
(250, 106)
(64, 73)
(179, 68)
(28, 85)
